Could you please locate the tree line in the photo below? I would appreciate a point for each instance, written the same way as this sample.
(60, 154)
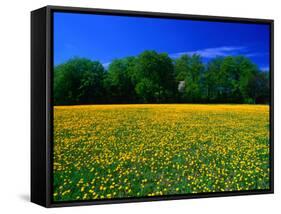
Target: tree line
(153, 77)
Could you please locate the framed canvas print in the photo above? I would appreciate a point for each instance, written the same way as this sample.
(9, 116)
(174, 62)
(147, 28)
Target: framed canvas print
(138, 106)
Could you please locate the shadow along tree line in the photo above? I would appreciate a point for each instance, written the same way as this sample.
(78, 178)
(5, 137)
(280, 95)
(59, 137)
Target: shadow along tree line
(153, 77)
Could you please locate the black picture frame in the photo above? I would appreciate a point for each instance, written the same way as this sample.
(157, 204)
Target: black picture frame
(42, 108)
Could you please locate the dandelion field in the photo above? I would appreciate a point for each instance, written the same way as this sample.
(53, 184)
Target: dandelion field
(120, 151)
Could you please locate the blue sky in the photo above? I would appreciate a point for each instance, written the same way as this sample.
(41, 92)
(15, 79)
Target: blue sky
(104, 38)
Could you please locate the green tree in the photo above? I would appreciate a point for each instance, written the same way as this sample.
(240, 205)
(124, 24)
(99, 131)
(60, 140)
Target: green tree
(78, 81)
(227, 79)
(258, 88)
(154, 77)
(247, 72)
(190, 70)
(182, 67)
(212, 80)
(119, 83)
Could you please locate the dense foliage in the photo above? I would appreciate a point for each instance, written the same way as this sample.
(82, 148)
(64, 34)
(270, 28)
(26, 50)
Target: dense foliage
(153, 77)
